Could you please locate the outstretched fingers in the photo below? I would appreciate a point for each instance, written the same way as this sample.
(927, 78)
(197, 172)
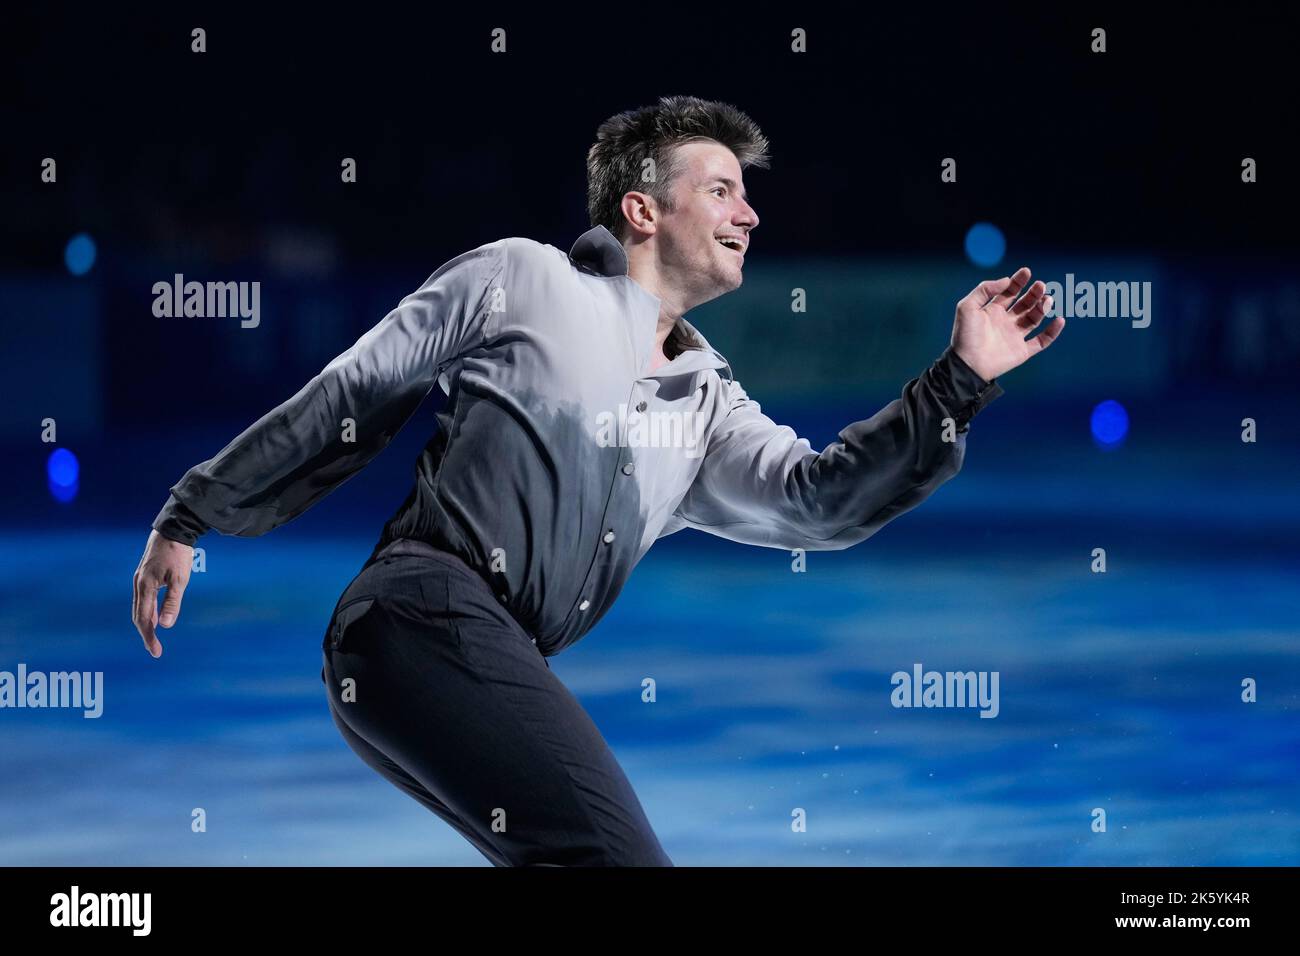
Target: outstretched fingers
(1000, 292)
(1049, 335)
(1028, 312)
(1005, 296)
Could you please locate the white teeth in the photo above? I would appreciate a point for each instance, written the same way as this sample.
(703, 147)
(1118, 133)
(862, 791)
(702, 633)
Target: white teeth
(732, 244)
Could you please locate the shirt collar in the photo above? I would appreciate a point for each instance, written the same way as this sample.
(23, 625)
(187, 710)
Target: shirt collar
(597, 250)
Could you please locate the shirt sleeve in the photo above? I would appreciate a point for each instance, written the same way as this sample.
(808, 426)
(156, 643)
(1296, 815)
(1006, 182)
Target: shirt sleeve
(302, 450)
(760, 484)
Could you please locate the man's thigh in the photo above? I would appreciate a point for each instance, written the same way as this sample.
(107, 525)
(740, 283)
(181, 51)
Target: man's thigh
(391, 771)
(449, 688)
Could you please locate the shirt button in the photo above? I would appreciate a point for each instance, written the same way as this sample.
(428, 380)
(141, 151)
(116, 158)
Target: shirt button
(609, 536)
(640, 407)
(627, 469)
(584, 605)
(502, 597)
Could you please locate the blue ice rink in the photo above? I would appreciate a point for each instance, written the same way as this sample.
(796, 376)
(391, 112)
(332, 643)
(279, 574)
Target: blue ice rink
(1119, 690)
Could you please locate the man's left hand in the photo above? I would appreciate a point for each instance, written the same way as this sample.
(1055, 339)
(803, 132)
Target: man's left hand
(989, 332)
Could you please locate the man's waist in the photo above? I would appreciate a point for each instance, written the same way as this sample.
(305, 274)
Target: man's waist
(415, 546)
(465, 565)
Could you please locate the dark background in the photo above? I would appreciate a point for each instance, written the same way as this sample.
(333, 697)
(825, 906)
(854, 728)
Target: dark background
(1122, 690)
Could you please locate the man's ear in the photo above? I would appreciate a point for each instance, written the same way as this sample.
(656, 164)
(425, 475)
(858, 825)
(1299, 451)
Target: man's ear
(640, 211)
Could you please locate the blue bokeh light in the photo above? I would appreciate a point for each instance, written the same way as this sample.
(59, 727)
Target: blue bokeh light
(985, 244)
(64, 493)
(63, 472)
(79, 256)
(62, 467)
(1109, 423)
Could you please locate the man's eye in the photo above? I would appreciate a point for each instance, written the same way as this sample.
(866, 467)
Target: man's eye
(717, 189)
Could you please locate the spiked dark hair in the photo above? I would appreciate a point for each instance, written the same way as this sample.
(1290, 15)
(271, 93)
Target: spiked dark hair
(625, 141)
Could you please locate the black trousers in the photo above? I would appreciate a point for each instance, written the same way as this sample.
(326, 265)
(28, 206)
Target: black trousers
(435, 686)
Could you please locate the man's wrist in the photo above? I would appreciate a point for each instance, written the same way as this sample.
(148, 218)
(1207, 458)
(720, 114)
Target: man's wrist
(964, 391)
(973, 364)
(178, 523)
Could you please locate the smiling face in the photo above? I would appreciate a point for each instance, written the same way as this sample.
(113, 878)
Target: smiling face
(702, 241)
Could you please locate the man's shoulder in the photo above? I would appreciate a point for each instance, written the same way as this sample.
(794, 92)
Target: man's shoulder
(543, 255)
(532, 256)
(522, 251)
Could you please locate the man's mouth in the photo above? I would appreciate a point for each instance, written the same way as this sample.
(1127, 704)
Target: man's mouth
(735, 245)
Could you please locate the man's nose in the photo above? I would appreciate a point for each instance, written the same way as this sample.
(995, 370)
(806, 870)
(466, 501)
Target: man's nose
(748, 216)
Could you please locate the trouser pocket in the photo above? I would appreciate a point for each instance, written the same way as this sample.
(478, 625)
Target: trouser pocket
(349, 622)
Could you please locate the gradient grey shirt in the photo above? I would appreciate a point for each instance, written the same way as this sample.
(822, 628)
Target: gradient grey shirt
(559, 460)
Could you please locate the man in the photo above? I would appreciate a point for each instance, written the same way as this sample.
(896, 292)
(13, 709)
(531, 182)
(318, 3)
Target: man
(529, 510)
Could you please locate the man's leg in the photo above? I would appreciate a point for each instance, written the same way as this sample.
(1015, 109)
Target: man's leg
(389, 770)
(457, 707)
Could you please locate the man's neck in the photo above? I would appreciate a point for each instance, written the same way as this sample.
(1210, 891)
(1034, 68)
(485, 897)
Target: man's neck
(657, 361)
(643, 270)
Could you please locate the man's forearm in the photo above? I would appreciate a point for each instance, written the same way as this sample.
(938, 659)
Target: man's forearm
(176, 522)
(762, 484)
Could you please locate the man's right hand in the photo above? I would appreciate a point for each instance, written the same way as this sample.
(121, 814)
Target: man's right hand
(165, 562)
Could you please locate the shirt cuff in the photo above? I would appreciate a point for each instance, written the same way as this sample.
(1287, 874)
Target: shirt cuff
(178, 523)
(962, 390)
